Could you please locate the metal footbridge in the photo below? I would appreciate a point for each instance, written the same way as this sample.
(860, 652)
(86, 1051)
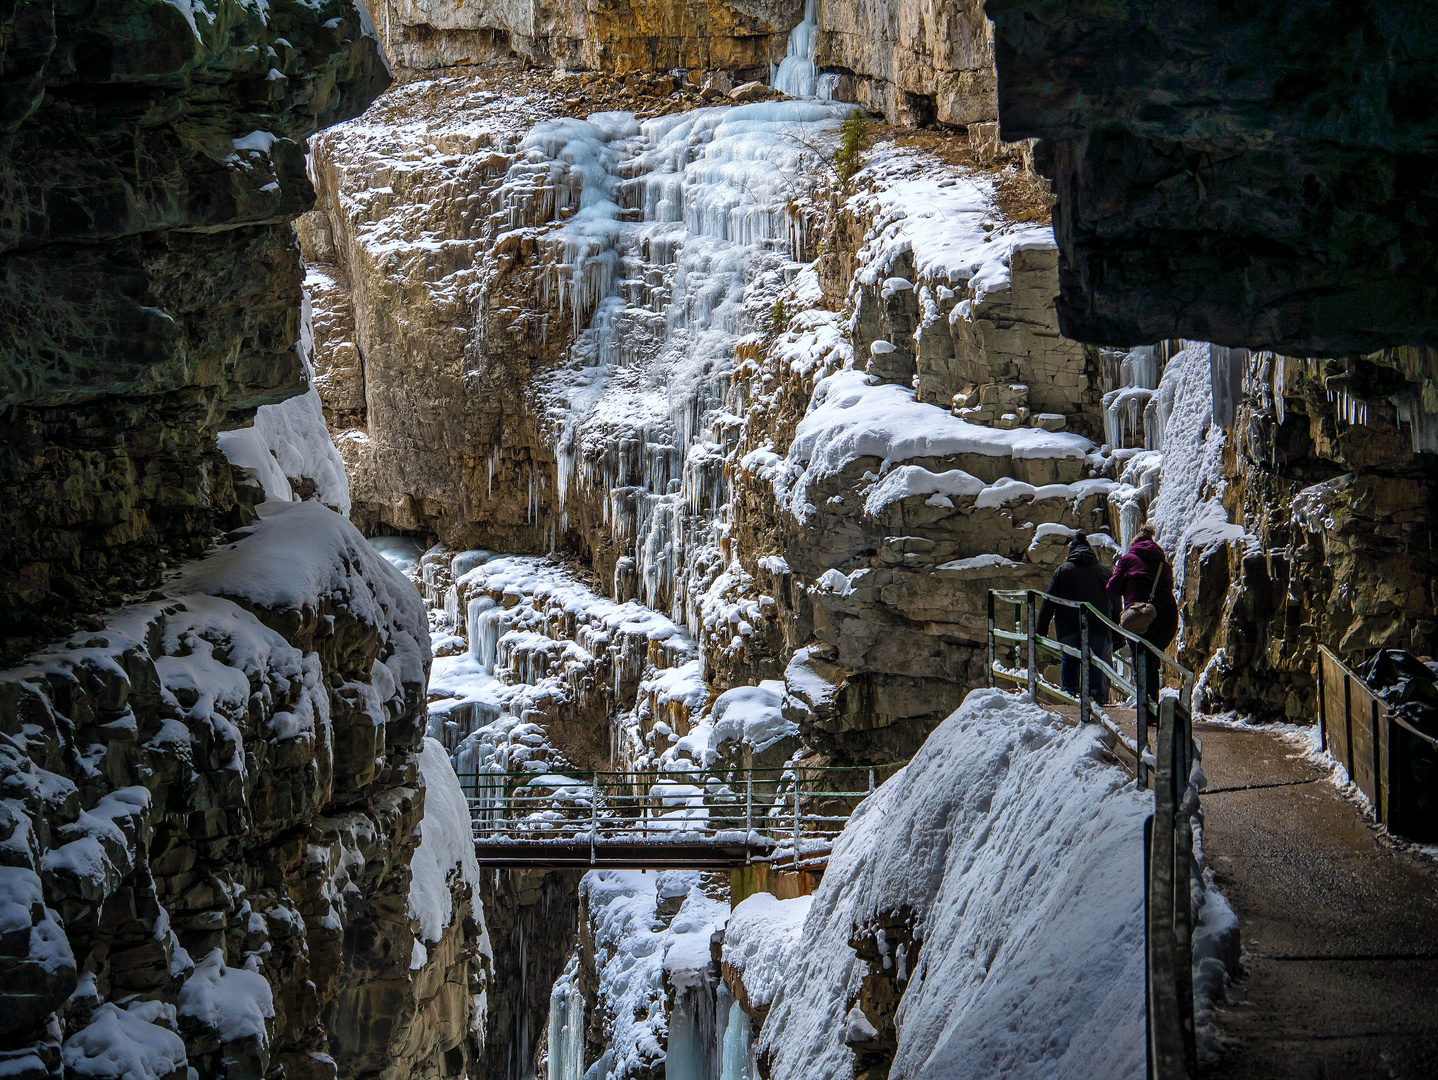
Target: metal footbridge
(716, 819)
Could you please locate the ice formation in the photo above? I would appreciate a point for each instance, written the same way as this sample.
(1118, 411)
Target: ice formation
(566, 1027)
(446, 850)
(672, 233)
(1188, 511)
(634, 951)
(797, 75)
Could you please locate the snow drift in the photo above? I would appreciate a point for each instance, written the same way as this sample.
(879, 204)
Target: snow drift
(1018, 847)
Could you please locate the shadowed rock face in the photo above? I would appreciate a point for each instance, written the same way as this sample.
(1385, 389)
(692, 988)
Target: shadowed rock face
(151, 159)
(1255, 176)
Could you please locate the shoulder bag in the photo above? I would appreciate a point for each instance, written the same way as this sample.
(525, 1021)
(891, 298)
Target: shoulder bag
(1137, 618)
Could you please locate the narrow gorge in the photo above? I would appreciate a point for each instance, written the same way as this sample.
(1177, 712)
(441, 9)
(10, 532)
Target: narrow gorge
(433, 427)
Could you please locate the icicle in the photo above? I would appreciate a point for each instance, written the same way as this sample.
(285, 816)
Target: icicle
(692, 1040)
(737, 1059)
(485, 627)
(1280, 387)
(1226, 371)
(566, 1028)
(1420, 411)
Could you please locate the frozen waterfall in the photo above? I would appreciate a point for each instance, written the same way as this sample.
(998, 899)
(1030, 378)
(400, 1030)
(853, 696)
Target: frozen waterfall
(566, 1027)
(692, 1052)
(666, 229)
(736, 1041)
(797, 75)
(484, 630)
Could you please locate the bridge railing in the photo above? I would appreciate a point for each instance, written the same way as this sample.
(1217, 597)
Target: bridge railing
(777, 814)
(1168, 832)
(1024, 646)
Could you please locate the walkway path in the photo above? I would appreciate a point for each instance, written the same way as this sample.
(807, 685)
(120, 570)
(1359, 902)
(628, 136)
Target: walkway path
(1339, 927)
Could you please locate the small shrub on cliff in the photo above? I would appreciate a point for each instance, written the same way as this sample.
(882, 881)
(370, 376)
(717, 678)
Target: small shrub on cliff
(853, 137)
(778, 318)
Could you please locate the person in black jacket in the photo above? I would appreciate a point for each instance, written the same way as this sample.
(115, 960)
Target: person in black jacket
(1082, 577)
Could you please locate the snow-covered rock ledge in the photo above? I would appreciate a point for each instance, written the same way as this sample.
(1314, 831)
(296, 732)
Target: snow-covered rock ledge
(207, 809)
(982, 915)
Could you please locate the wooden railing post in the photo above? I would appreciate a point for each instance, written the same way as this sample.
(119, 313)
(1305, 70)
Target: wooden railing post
(1169, 949)
(1084, 692)
(1348, 723)
(1031, 630)
(1377, 762)
(1322, 704)
(991, 638)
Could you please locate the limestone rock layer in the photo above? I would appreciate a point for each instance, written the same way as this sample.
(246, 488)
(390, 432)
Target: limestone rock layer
(151, 159)
(910, 62)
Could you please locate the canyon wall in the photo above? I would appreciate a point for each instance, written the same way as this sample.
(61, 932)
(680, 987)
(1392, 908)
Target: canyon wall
(153, 157)
(631, 400)
(619, 36)
(1327, 470)
(212, 804)
(226, 850)
(911, 63)
(908, 62)
(1259, 179)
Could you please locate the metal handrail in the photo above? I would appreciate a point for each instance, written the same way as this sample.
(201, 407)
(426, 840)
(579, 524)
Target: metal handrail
(1168, 834)
(1027, 601)
(1168, 911)
(718, 806)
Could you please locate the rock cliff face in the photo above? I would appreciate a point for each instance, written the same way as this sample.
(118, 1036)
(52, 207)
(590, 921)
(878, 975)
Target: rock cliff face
(153, 155)
(619, 36)
(909, 62)
(660, 448)
(1260, 179)
(211, 807)
(1328, 467)
(589, 344)
(211, 797)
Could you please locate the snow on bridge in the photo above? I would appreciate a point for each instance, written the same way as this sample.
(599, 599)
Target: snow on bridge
(649, 820)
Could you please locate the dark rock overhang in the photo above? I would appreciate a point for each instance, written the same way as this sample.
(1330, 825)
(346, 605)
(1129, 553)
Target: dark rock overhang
(1263, 174)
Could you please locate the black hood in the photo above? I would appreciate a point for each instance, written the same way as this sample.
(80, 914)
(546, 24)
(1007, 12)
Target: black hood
(1080, 553)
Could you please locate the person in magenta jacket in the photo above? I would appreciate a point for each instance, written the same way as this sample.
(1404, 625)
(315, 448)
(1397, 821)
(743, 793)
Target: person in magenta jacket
(1131, 582)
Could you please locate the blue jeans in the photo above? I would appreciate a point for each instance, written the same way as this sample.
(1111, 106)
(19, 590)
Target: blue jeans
(1099, 646)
